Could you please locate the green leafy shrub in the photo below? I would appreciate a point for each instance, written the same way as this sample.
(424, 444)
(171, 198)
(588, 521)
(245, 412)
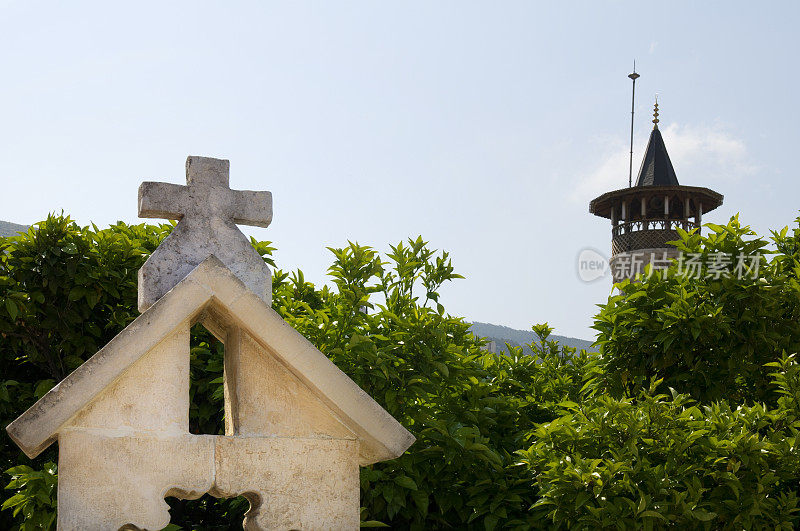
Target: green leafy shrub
(503, 440)
(34, 503)
(468, 408)
(73, 288)
(656, 461)
(707, 337)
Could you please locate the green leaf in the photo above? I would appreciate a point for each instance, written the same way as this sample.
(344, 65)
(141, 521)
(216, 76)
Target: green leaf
(11, 308)
(703, 516)
(406, 482)
(76, 293)
(42, 387)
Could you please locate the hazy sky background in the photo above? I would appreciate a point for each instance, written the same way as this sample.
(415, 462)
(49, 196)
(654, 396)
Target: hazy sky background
(485, 127)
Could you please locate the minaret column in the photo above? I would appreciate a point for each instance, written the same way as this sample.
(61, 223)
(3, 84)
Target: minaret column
(625, 215)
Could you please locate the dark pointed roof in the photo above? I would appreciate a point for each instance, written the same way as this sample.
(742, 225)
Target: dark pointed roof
(656, 167)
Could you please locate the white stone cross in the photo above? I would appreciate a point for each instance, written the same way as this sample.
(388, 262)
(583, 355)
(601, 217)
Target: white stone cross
(208, 211)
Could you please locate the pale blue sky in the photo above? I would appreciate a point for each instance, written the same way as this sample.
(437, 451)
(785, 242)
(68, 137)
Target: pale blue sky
(486, 127)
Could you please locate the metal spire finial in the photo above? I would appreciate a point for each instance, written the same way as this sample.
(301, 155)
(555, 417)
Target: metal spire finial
(655, 114)
(633, 76)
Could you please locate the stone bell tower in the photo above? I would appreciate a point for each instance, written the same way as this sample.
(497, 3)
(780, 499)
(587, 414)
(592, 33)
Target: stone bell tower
(645, 216)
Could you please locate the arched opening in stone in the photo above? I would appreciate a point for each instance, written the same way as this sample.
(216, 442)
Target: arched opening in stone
(208, 512)
(206, 394)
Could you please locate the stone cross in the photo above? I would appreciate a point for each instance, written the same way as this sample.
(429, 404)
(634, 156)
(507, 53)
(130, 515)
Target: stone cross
(208, 211)
(297, 428)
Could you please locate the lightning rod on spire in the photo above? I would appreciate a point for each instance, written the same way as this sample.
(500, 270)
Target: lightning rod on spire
(634, 76)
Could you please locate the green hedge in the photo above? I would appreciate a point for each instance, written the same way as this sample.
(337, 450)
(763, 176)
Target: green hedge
(556, 439)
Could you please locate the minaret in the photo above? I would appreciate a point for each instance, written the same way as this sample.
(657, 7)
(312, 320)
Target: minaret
(644, 217)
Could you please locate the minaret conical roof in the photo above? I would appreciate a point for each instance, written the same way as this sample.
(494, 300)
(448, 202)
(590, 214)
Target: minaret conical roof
(656, 172)
(656, 167)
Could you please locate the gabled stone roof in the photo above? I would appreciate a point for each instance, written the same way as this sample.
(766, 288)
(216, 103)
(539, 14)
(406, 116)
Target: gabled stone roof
(211, 288)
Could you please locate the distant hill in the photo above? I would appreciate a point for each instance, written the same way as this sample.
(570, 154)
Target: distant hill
(11, 229)
(503, 334)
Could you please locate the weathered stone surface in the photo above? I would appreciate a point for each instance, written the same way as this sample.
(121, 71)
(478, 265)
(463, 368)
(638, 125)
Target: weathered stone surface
(208, 211)
(264, 397)
(380, 434)
(151, 396)
(113, 481)
(292, 483)
(107, 481)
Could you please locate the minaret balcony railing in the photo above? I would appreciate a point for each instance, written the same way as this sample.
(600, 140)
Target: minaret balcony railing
(652, 224)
